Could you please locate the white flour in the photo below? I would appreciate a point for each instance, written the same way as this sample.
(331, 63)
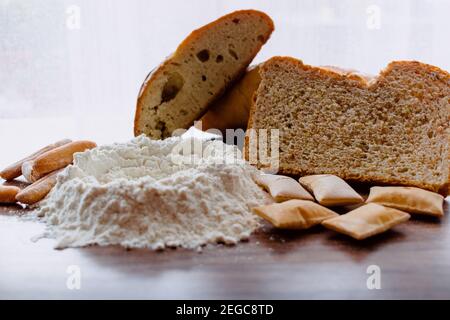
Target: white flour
(143, 194)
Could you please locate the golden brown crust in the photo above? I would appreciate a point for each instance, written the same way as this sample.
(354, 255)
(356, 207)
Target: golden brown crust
(352, 74)
(54, 159)
(250, 122)
(443, 189)
(186, 42)
(8, 194)
(231, 111)
(39, 189)
(295, 214)
(197, 33)
(153, 74)
(430, 68)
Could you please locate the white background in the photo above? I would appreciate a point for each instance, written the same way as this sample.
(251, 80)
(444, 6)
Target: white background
(68, 65)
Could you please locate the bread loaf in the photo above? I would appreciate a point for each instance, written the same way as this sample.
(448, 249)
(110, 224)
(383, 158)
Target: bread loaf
(232, 110)
(390, 129)
(331, 190)
(202, 68)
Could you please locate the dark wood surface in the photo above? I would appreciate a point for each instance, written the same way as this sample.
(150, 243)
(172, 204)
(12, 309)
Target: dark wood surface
(414, 259)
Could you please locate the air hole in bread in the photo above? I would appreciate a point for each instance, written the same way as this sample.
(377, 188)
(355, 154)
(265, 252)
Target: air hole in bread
(173, 85)
(161, 125)
(233, 54)
(203, 55)
(203, 78)
(261, 38)
(236, 21)
(219, 58)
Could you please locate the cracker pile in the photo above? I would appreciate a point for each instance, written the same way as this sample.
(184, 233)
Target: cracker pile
(385, 207)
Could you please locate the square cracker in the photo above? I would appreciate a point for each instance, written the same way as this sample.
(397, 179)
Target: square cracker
(366, 221)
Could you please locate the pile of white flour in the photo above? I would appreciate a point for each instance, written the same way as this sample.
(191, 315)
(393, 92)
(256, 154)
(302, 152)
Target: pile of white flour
(154, 194)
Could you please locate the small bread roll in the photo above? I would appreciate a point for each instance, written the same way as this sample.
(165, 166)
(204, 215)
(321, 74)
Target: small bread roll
(53, 160)
(8, 194)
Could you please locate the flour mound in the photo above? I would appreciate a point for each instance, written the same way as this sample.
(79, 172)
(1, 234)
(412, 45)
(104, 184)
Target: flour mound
(154, 194)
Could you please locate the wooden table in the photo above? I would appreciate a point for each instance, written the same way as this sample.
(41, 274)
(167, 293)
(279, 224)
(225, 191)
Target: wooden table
(414, 259)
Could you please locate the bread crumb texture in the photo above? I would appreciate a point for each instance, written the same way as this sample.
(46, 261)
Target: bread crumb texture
(202, 68)
(390, 129)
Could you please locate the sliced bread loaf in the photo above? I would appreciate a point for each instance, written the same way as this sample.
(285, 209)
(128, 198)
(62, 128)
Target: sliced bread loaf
(390, 129)
(179, 91)
(232, 110)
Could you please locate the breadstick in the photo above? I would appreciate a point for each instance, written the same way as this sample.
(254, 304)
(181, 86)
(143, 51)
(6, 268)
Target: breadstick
(53, 160)
(15, 170)
(8, 194)
(38, 190)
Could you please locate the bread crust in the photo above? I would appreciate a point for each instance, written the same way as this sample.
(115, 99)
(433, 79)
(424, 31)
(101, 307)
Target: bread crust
(196, 34)
(8, 194)
(365, 82)
(39, 189)
(54, 159)
(231, 111)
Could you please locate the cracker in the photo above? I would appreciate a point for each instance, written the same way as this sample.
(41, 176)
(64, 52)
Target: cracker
(409, 199)
(294, 214)
(330, 190)
(366, 221)
(282, 188)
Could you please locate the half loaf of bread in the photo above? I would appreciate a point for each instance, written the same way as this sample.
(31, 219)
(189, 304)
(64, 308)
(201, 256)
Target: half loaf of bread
(232, 110)
(204, 65)
(390, 129)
